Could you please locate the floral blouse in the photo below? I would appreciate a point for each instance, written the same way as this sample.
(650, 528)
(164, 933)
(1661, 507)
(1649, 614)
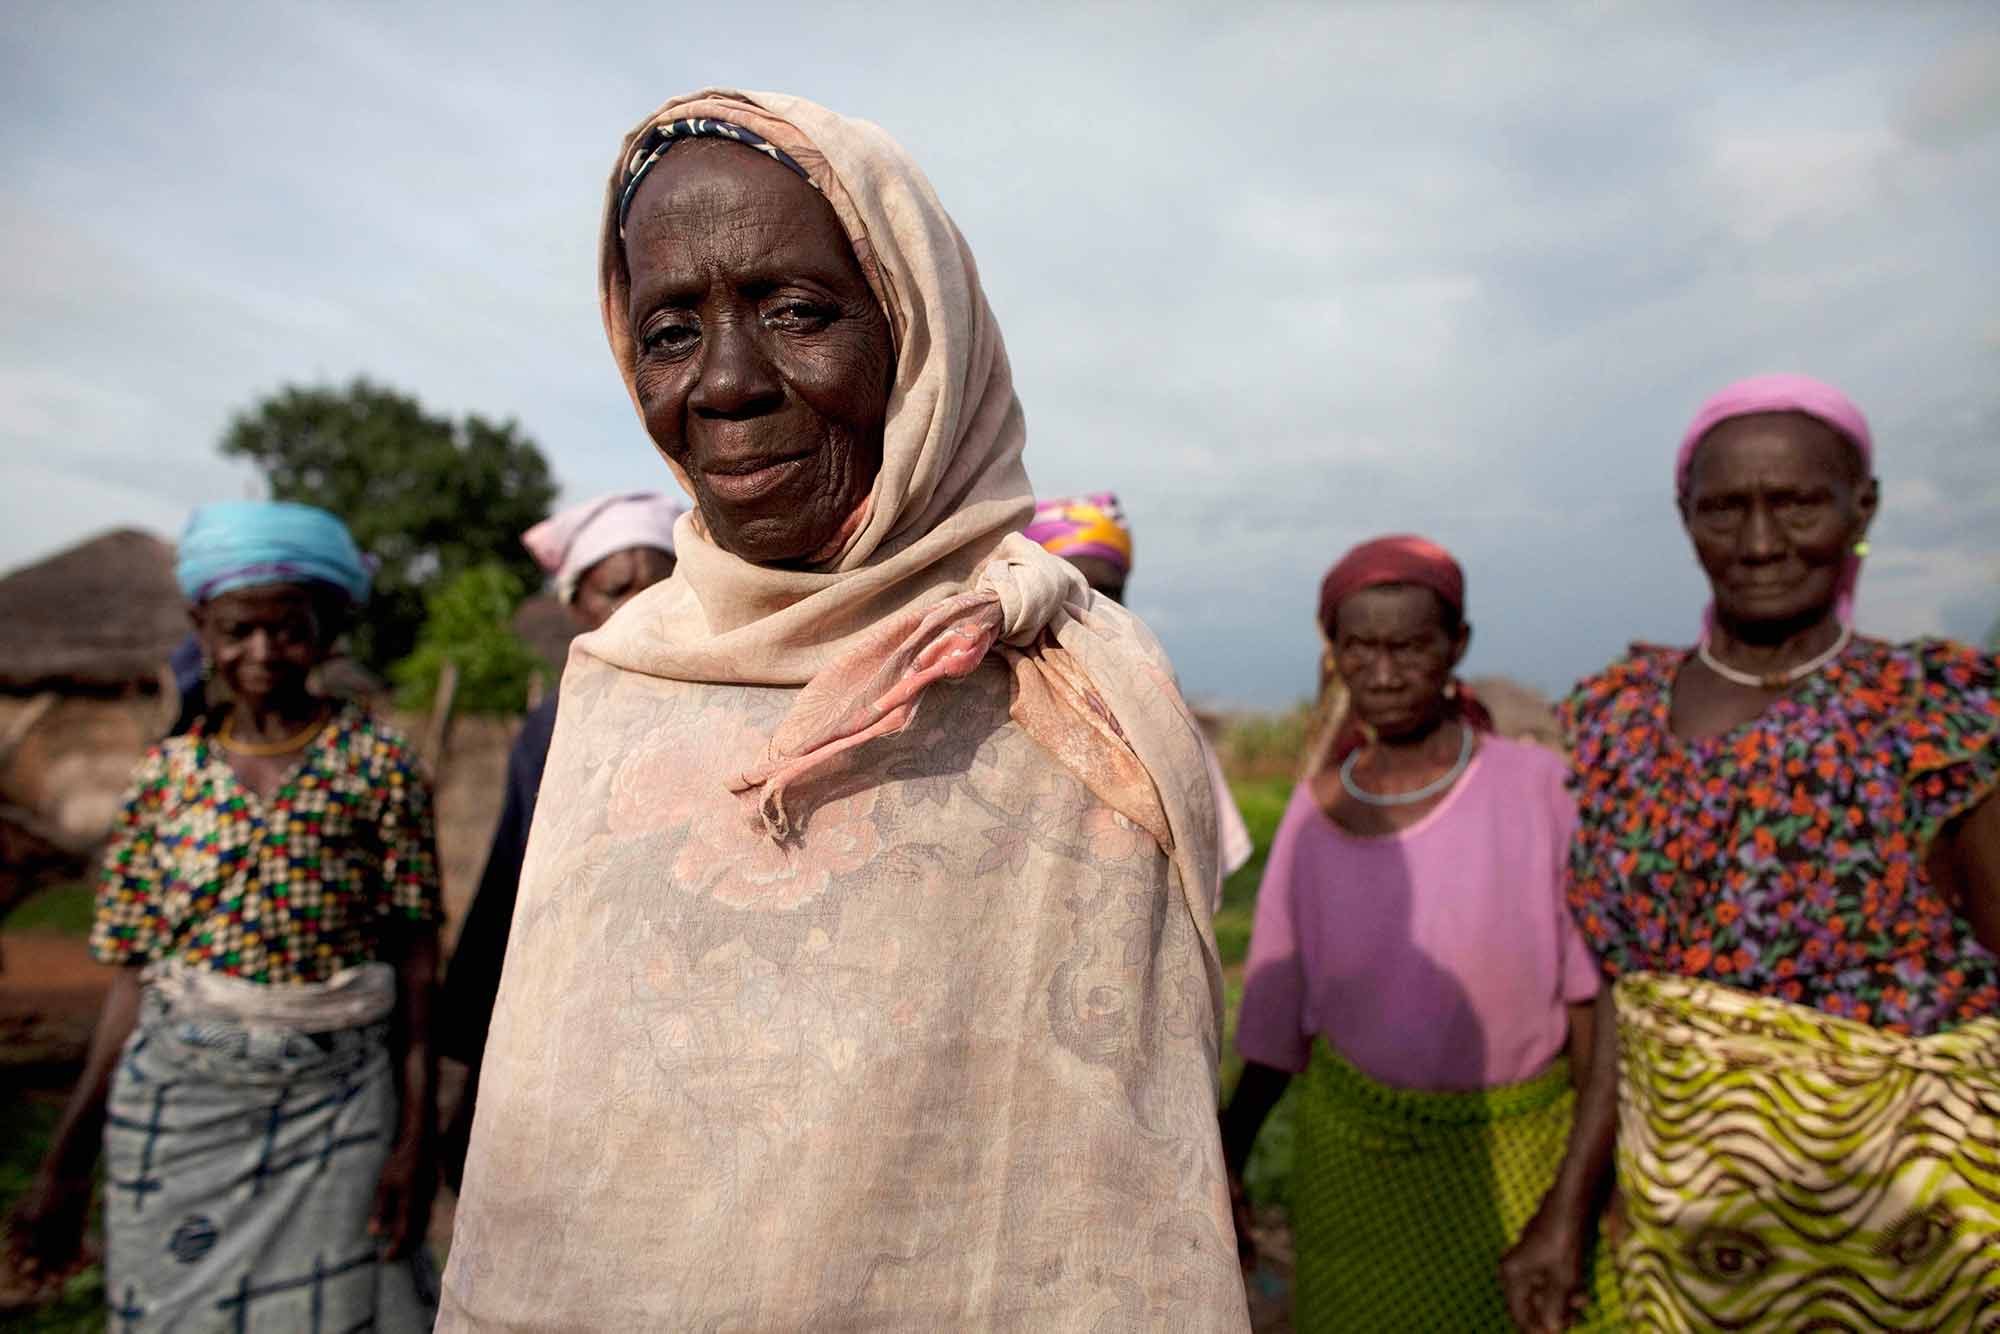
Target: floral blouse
(1786, 857)
(288, 890)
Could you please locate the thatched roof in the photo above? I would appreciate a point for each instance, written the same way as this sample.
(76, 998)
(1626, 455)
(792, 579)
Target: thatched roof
(103, 615)
(1518, 710)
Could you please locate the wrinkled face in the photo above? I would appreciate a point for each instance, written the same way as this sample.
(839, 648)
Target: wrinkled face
(1396, 655)
(615, 580)
(764, 361)
(1104, 576)
(1775, 504)
(263, 642)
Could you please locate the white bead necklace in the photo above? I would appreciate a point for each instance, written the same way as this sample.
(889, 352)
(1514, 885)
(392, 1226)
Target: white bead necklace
(1424, 793)
(1772, 680)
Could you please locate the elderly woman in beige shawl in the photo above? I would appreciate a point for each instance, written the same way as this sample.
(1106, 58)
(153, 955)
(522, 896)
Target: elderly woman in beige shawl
(863, 974)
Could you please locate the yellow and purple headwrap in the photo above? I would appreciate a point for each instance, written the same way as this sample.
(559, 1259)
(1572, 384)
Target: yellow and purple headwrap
(1092, 525)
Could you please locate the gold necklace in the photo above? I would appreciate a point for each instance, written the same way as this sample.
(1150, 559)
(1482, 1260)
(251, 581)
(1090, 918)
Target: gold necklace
(230, 741)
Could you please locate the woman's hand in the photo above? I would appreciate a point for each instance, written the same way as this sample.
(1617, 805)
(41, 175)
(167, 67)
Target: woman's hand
(45, 1230)
(403, 1196)
(1542, 1274)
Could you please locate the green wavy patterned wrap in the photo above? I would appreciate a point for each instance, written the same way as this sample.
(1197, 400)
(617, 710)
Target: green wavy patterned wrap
(1784, 1169)
(1404, 1200)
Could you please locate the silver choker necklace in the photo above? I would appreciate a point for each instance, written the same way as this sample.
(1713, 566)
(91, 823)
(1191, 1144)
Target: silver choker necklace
(1424, 793)
(1773, 680)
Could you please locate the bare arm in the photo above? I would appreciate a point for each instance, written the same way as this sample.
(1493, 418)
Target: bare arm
(1257, 1092)
(409, 1179)
(49, 1221)
(1543, 1273)
(1966, 861)
(1582, 1044)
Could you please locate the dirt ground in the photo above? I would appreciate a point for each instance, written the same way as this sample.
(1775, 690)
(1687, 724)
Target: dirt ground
(49, 995)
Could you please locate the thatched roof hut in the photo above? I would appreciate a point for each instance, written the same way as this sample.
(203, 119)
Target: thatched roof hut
(1518, 710)
(101, 616)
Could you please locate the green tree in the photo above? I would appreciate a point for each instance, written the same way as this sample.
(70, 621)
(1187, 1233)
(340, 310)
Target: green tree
(428, 497)
(467, 623)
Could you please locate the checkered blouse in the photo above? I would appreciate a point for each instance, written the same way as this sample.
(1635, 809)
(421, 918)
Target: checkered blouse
(288, 890)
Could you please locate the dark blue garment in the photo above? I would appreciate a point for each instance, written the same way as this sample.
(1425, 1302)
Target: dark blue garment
(186, 664)
(473, 978)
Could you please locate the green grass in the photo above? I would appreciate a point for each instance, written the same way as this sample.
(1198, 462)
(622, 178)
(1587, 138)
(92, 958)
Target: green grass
(1268, 1174)
(1262, 802)
(66, 908)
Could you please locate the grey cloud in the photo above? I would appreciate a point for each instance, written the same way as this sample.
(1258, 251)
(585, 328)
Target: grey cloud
(1284, 277)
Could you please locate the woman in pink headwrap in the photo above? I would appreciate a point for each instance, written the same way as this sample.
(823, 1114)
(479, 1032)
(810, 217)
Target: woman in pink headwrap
(1789, 860)
(1415, 970)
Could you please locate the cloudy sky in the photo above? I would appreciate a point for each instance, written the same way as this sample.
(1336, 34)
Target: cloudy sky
(1284, 277)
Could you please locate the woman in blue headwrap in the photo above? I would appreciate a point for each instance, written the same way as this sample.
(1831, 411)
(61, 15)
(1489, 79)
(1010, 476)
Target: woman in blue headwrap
(261, 1075)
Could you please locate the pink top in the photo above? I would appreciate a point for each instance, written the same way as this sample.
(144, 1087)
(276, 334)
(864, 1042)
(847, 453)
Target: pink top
(1438, 958)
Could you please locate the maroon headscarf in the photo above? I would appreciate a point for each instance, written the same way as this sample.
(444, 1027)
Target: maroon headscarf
(1401, 559)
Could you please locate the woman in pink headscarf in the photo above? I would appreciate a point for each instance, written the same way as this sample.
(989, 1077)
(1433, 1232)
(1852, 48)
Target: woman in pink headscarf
(1413, 971)
(598, 554)
(1789, 860)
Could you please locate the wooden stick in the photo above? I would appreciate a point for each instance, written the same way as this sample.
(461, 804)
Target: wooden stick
(439, 726)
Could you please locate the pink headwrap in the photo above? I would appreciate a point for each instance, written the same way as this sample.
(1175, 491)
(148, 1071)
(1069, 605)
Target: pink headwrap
(1784, 393)
(567, 544)
(1092, 525)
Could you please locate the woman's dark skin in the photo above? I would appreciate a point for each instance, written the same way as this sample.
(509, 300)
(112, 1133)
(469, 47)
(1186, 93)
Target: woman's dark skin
(1104, 576)
(1396, 646)
(1775, 504)
(262, 644)
(614, 581)
(764, 360)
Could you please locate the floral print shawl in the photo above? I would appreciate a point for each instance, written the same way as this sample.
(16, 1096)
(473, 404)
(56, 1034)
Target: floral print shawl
(916, 1033)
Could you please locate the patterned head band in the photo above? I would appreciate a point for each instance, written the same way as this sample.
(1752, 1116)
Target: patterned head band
(1092, 525)
(653, 146)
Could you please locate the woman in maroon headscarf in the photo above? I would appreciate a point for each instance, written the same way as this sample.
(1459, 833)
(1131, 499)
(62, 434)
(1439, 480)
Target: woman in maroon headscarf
(1413, 960)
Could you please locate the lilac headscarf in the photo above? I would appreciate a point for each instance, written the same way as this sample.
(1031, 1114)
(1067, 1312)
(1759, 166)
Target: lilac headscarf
(1784, 393)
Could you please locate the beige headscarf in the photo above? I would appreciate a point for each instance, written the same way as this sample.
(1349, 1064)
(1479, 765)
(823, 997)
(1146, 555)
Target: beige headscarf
(936, 571)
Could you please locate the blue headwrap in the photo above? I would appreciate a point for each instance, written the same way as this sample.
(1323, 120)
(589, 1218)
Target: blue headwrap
(245, 543)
